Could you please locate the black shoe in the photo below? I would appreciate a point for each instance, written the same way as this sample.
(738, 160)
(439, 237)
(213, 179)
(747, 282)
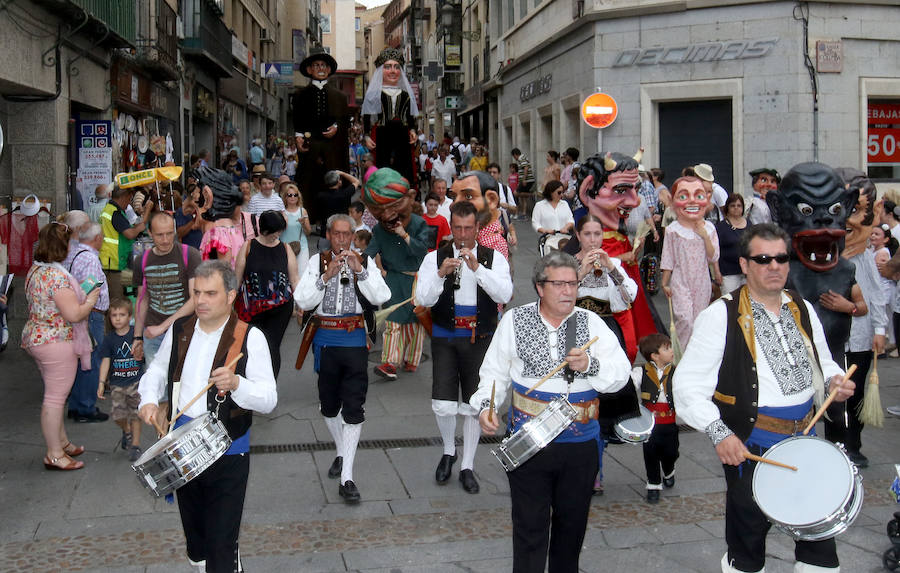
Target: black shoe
(669, 482)
(858, 459)
(72, 414)
(336, 466)
(445, 466)
(467, 479)
(349, 492)
(95, 416)
(652, 496)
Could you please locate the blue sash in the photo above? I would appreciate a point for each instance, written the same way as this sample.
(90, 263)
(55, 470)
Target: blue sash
(330, 337)
(461, 310)
(765, 439)
(575, 432)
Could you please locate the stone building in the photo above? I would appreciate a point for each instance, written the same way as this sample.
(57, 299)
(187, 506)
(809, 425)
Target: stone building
(736, 84)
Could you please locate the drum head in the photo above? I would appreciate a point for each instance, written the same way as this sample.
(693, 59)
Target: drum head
(637, 429)
(820, 486)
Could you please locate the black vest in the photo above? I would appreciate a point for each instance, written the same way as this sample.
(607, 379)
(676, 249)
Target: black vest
(649, 388)
(737, 392)
(236, 420)
(443, 313)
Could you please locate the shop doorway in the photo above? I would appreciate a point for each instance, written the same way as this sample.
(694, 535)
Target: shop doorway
(692, 132)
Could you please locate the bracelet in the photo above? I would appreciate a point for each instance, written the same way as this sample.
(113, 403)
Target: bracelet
(141, 338)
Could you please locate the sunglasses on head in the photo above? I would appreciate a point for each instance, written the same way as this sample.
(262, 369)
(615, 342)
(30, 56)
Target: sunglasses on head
(766, 259)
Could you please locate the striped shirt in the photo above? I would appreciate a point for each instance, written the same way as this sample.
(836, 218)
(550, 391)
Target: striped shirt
(259, 204)
(526, 172)
(83, 262)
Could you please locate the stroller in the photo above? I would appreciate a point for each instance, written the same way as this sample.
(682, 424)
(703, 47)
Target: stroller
(891, 558)
(552, 242)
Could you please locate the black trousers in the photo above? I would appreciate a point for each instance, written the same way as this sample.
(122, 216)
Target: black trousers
(661, 451)
(273, 323)
(456, 364)
(211, 506)
(746, 526)
(849, 431)
(343, 382)
(551, 498)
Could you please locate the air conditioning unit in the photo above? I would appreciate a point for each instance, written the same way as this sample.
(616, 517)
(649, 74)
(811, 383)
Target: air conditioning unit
(265, 37)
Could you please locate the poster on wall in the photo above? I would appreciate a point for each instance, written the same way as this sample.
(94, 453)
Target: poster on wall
(883, 141)
(95, 159)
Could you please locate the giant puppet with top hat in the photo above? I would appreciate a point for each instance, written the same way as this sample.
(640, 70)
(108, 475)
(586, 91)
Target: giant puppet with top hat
(321, 124)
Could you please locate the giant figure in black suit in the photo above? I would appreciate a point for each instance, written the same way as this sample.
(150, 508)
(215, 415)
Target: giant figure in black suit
(321, 123)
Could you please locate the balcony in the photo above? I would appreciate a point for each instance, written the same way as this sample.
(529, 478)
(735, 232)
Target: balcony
(206, 38)
(109, 23)
(157, 43)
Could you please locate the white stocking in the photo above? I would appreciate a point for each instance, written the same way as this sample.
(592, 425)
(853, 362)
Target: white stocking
(334, 426)
(351, 440)
(727, 568)
(471, 433)
(447, 427)
(801, 567)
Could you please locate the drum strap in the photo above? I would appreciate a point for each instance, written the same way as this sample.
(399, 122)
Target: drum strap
(568, 373)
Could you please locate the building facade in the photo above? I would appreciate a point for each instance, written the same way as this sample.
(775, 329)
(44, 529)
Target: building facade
(737, 85)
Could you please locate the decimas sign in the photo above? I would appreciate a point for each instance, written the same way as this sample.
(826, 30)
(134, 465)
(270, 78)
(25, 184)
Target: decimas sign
(599, 110)
(883, 142)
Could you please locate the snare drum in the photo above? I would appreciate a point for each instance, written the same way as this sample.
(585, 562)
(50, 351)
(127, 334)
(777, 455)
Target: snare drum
(637, 429)
(819, 500)
(182, 455)
(535, 434)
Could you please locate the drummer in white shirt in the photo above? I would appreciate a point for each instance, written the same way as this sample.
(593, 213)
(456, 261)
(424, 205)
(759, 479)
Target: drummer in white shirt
(748, 378)
(211, 505)
(529, 342)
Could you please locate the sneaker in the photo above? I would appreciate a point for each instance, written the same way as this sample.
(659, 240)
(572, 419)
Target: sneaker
(134, 453)
(386, 371)
(858, 459)
(895, 410)
(126, 440)
(598, 486)
(407, 367)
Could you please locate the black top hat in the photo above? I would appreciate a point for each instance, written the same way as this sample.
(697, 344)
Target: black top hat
(318, 54)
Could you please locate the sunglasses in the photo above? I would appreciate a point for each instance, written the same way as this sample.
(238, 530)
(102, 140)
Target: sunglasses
(292, 195)
(766, 259)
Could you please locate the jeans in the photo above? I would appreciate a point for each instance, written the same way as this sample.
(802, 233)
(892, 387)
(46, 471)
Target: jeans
(151, 345)
(83, 397)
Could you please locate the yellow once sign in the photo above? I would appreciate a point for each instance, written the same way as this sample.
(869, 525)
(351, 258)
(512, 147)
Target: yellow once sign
(148, 176)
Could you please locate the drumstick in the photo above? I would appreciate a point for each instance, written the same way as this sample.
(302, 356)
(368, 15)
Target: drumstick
(159, 429)
(560, 367)
(829, 399)
(206, 388)
(755, 458)
(491, 407)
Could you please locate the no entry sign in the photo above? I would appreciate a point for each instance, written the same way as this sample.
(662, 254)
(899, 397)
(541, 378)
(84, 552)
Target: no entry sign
(599, 110)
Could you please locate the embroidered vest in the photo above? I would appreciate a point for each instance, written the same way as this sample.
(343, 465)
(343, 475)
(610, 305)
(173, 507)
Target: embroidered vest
(443, 312)
(737, 392)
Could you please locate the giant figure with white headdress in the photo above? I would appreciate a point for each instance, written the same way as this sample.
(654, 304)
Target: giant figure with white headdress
(389, 115)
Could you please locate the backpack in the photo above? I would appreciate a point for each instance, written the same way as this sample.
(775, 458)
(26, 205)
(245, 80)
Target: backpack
(457, 155)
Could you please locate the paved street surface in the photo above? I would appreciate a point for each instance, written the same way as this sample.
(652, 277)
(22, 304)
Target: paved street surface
(102, 519)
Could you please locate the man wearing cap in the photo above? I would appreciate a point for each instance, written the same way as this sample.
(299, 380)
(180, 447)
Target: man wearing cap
(717, 193)
(402, 239)
(320, 126)
(765, 179)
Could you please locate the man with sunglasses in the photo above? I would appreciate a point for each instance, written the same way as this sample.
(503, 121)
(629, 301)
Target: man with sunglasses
(756, 360)
(530, 341)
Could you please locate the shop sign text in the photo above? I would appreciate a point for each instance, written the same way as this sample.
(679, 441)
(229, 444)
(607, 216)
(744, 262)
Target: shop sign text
(694, 53)
(533, 89)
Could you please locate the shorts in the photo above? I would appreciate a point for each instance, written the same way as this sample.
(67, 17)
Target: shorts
(125, 401)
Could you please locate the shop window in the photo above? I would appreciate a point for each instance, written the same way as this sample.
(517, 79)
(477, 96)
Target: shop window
(883, 139)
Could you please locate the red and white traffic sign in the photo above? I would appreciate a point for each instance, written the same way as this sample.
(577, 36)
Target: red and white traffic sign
(599, 110)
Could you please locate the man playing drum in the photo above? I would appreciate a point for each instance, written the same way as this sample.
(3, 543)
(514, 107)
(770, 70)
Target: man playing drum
(194, 351)
(462, 283)
(335, 282)
(755, 361)
(551, 492)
